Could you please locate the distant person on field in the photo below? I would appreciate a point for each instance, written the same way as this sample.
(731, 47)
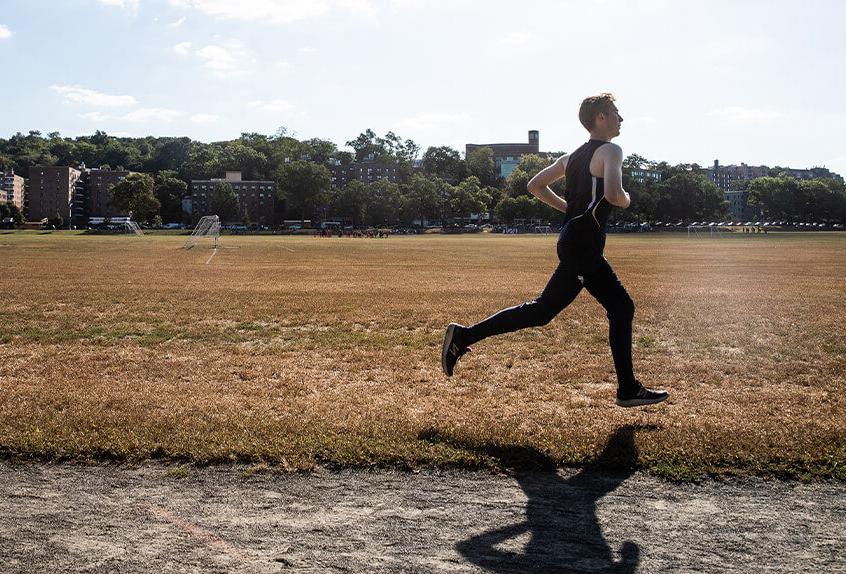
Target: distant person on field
(593, 178)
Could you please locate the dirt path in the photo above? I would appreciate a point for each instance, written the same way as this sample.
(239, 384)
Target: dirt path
(67, 518)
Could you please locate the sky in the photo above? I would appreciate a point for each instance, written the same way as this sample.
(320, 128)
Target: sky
(759, 82)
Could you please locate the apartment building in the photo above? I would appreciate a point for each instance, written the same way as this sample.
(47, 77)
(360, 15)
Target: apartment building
(98, 184)
(507, 155)
(365, 171)
(725, 176)
(12, 189)
(256, 199)
(50, 192)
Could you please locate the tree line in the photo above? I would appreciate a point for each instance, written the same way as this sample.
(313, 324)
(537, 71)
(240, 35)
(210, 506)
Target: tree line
(446, 187)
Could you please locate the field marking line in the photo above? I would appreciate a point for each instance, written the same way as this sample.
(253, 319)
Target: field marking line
(212, 255)
(211, 539)
(289, 249)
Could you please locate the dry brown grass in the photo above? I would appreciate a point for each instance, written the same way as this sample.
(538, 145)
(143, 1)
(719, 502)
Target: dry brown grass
(295, 350)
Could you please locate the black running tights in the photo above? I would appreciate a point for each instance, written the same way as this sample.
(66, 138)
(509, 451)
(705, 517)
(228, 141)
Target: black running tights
(600, 280)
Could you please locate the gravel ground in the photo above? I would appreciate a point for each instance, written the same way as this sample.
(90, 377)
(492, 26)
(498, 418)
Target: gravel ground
(159, 518)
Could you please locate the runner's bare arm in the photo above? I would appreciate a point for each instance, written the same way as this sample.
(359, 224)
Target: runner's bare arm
(539, 185)
(613, 176)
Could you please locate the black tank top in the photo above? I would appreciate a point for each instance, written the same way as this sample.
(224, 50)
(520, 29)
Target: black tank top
(587, 208)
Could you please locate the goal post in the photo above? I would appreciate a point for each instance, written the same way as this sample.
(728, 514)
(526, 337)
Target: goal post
(706, 231)
(208, 226)
(132, 227)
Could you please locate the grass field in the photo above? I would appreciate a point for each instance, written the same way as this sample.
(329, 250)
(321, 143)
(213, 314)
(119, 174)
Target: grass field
(292, 351)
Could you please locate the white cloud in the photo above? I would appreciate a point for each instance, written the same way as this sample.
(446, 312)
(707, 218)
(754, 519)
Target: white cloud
(218, 58)
(183, 48)
(231, 59)
(271, 105)
(399, 5)
(80, 95)
(129, 5)
(741, 114)
(204, 118)
(5, 32)
(177, 24)
(516, 39)
(306, 50)
(429, 121)
(275, 11)
(152, 114)
(279, 11)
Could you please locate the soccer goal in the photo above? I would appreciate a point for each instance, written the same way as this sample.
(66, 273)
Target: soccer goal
(208, 226)
(132, 227)
(706, 231)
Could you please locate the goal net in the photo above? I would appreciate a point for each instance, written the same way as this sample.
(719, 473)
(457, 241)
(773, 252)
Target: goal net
(706, 231)
(208, 226)
(132, 227)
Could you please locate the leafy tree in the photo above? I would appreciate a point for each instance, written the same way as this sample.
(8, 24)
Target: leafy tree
(170, 190)
(368, 146)
(119, 154)
(135, 195)
(235, 156)
(777, 197)
(170, 154)
(480, 163)
(506, 210)
(383, 203)
(444, 162)
(203, 162)
(388, 149)
(345, 157)
(318, 150)
(303, 186)
(789, 198)
(402, 151)
(224, 202)
(689, 196)
(517, 183)
(635, 161)
(16, 214)
(532, 164)
(58, 222)
(467, 197)
(420, 199)
(350, 201)
(11, 210)
(63, 150)
(822, 200)
(524, 207)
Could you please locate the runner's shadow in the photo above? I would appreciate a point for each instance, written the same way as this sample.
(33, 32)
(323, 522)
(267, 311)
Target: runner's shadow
(564, 535)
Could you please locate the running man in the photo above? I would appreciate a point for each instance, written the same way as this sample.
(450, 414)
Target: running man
(593, 176)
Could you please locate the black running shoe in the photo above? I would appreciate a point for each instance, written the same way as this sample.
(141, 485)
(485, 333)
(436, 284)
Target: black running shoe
(454, 347)
(640, 396)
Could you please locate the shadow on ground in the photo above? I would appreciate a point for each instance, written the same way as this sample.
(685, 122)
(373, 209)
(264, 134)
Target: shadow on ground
(564, 535)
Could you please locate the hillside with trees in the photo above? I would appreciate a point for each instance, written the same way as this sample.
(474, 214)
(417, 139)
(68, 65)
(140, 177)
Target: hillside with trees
(436, 184)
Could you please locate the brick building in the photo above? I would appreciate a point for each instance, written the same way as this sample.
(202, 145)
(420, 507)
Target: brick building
(507, 155)
(50, 191)
(256, 199)
(12, 189)
(98, 185)
(365, 171)
(726, 175)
